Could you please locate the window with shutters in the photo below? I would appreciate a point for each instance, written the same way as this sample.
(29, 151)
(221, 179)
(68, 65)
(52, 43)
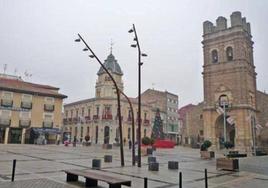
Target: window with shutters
(7, 99)
(26, 101)
(5, 117)
(49, 104)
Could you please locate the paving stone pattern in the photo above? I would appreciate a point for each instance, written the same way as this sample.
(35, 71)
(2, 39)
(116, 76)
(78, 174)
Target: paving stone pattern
(43, 165)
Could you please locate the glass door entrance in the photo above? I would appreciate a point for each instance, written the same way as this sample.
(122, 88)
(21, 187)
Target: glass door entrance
(15, 135)
(2, 135)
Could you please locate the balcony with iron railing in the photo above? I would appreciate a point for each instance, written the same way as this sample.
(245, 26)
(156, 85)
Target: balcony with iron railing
(5, 122)
(96, 118)
(65, 121)
(107, 117)
(23, 123)
(75, 120)
(6, 102)
(87, 118)
(47, 124)
(146, 122)
(26, 105)
(69, 120)
(49, 107)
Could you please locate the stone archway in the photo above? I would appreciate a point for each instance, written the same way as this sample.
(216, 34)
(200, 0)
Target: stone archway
(230, 131)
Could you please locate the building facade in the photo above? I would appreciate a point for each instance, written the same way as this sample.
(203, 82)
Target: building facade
(229, 82)
(28, 110)
(97, 117)
(192, 129)
(167, 103)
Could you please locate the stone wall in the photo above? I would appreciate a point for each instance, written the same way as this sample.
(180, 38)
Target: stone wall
(194, 125)
(262, 106)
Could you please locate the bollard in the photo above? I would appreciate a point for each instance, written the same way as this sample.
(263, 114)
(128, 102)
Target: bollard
(108, 158)
(151, 159)
(206, 178)
(13, 169)
(180, 179)
(174, 165)
(153, 166)
(145, 182)
(96, 164)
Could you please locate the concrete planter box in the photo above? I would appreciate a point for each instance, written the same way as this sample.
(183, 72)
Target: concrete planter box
(173, 165)
(236, 154)
(227, 164)
(207, 154)
(96, 164)
(153, 167)
(107, 146)
(86, 143)
(151, 159)
(108, 158)
(117, 144)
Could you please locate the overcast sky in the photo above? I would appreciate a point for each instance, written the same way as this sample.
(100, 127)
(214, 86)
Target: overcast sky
(38, 36)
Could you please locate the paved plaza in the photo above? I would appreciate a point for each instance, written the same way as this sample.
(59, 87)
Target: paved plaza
(41, 166)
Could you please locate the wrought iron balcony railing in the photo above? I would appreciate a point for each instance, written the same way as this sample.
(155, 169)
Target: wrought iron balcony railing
(5, 122)
(47, 124)
(49, 107)
(26, 105)
(6, 102)
(107, 116)
(25, 123)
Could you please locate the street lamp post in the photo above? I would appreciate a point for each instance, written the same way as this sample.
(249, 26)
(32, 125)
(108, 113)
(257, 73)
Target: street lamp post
(133, 127)
(224, 103)
(133, 29)
(93, 55)
(224, 121)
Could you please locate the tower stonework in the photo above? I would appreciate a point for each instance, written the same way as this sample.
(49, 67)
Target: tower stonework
(229, 80)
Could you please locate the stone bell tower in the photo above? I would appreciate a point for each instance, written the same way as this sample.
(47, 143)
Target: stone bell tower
(104, 85)
(229, 79)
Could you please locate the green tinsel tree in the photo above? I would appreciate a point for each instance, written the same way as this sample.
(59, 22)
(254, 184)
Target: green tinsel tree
(157, 132)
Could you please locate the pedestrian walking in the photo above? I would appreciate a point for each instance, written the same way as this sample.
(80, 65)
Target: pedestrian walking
(74, 142)
(125, 140)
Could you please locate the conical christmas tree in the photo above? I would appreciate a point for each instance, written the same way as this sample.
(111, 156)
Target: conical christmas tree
(157, 132)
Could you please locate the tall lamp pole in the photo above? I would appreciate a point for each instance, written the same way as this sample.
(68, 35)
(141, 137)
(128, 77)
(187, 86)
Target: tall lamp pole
(133, 29)
(224, 121)
(93, 55)
(224, 103)
(133, 127)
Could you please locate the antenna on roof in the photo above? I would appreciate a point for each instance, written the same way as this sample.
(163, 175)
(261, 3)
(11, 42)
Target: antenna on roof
(5, 68)
(27, 75)
(15, 72)
(153, 84)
